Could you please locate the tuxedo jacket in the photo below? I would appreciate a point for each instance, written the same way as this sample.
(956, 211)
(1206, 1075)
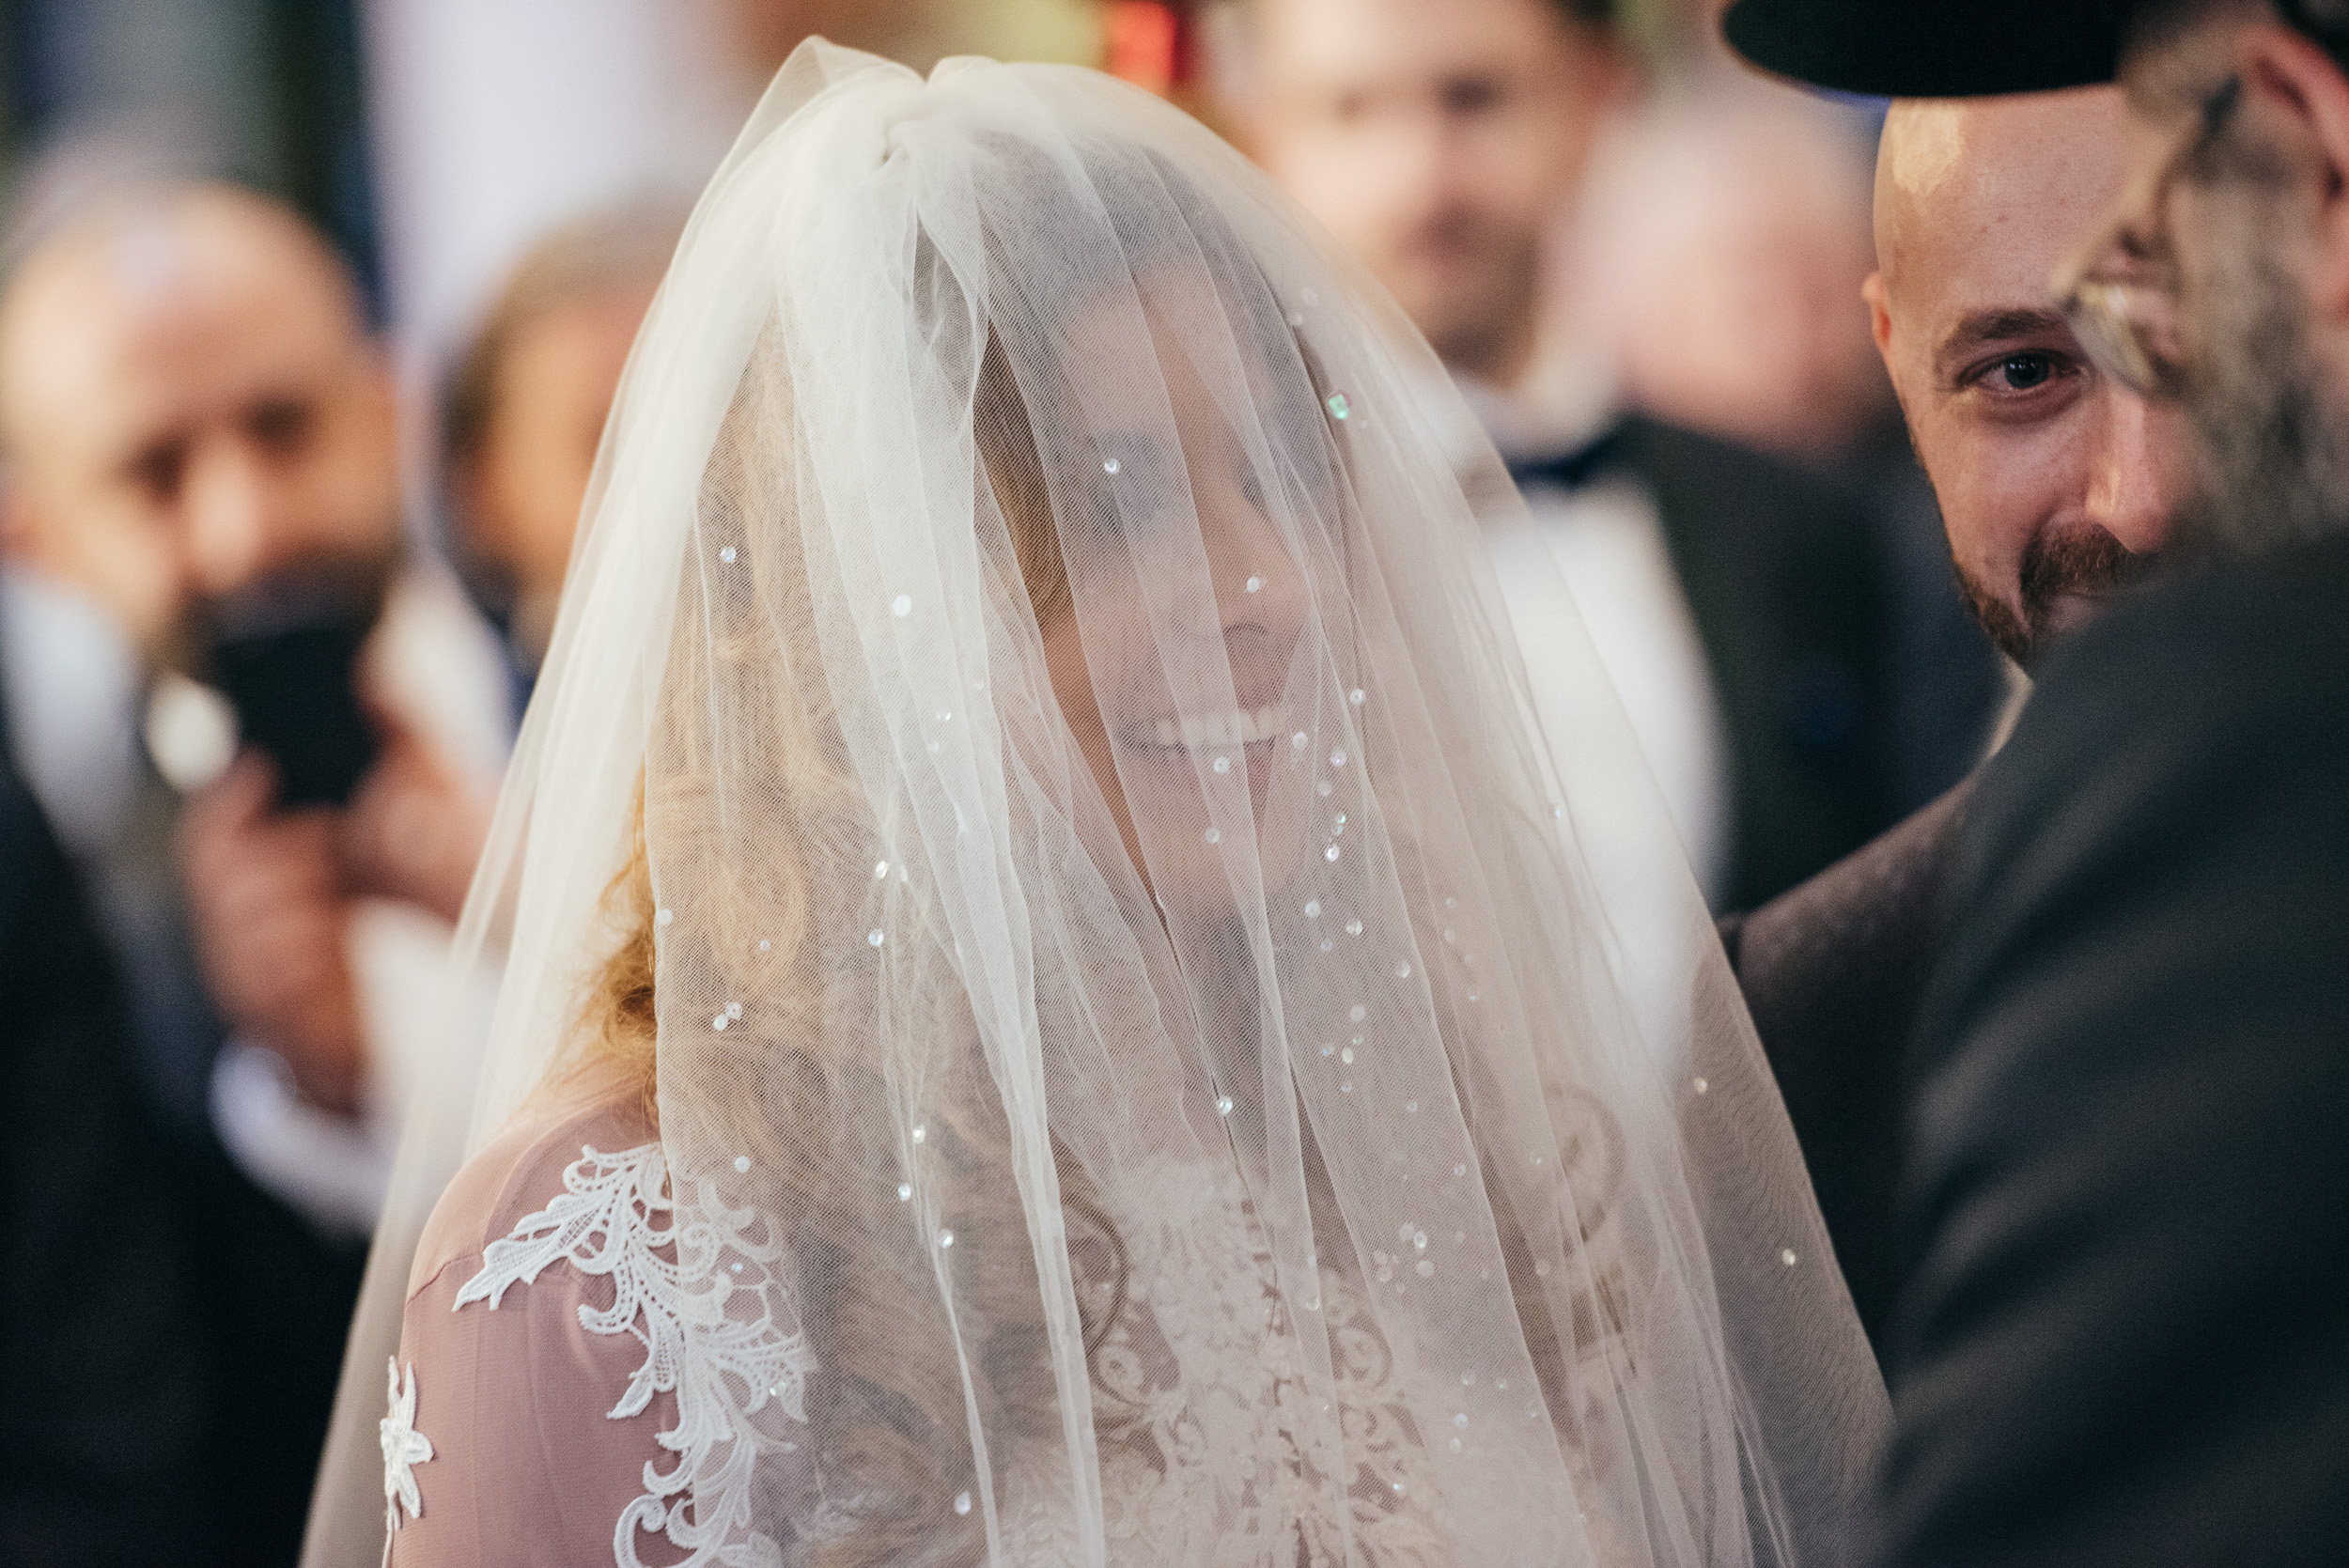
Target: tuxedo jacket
(1792, 590)
(2122, 1331)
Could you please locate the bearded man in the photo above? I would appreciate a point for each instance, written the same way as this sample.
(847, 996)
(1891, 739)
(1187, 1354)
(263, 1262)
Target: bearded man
(2120, 1339)
(2057, 486)
(219, 984)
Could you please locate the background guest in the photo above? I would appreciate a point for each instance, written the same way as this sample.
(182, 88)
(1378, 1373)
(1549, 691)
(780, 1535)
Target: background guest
(125, 1328)
(1718, 252)
(1722, 240)
(525, 407)
(1743, 612)
(200, 446)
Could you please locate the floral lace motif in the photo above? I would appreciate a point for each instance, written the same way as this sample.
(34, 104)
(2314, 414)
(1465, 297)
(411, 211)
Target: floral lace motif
(404, 1449)
(712, 1316)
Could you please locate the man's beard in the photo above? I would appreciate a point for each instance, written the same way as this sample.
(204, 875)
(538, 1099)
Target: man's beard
(343, 588)
(2090, 561)
(2272, 443)
(1469, 285)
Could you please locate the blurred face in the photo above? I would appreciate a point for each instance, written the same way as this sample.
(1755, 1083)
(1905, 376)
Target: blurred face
(1436, 139)
(1728, 250)
(2058, 485)
(1160, 603)
(2230, 262)
(191, 414)
(554, 389)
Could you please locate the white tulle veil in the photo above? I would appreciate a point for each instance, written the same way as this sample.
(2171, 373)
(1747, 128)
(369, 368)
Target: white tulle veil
(1292, 1167)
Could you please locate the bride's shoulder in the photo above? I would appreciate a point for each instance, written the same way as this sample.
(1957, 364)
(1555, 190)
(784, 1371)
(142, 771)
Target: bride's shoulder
(530, 1167)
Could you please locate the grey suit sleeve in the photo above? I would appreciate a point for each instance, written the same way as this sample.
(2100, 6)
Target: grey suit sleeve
(2125, 1333)
(1833, 973)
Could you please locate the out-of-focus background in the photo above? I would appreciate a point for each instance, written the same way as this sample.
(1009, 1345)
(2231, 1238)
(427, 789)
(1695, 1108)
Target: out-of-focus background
(290, 466)
(433, 140)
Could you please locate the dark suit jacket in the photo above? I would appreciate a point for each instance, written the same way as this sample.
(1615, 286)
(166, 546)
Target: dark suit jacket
(169, 1333)
(2123, 1335)
(1787, 581)
(104, 1374)
(1833, 973)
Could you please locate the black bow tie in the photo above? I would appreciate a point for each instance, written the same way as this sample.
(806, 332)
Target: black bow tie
(1574, 466)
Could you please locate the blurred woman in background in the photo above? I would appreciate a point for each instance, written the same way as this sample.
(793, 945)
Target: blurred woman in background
(527, 402)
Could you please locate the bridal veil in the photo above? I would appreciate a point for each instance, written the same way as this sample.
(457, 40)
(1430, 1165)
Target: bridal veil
(1130, 979)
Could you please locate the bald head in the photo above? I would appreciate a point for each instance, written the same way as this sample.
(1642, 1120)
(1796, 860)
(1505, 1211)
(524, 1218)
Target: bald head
(2055, 485)
(188, 404)
(2027, 175)
(150, 266)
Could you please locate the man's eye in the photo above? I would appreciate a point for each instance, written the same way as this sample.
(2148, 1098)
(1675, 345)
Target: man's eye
(2022, 372)
(158, 471)
(281, 424)
(1470, 94)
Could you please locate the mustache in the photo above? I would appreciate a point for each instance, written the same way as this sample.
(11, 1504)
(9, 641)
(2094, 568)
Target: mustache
(344, 589)
(2088, 561)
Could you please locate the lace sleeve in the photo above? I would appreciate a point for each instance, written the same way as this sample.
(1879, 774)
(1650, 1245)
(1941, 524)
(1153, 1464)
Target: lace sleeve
(594, 1386)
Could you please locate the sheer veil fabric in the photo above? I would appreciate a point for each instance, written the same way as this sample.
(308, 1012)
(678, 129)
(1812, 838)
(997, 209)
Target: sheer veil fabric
(1129, 969)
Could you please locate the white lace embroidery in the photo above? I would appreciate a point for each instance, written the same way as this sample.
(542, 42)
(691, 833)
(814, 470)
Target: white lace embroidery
(707, 1315)
(404, 1448)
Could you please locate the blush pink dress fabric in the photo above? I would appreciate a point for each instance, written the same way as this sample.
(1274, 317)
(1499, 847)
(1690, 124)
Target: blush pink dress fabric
(527, 1467)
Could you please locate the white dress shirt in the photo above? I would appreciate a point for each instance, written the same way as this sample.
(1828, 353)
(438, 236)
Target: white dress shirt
(1609, 544)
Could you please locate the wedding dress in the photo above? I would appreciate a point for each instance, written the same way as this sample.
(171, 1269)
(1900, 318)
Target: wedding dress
(1057, 1008)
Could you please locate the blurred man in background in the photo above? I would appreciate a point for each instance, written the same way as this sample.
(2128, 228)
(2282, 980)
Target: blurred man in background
(201, 444)
(199, 449)
(525, 409)
(1725, 235)
(1741, 611)
(2058, 485)
(1721, 243)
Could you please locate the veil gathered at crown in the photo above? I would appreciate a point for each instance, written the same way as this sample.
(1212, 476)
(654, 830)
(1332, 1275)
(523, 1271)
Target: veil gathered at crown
(1289, 1166)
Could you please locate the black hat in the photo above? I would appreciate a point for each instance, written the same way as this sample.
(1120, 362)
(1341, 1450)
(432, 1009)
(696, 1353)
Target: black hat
(1932, 47)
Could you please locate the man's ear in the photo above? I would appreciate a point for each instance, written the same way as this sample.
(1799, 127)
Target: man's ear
(1879, 318)
(2297, 76)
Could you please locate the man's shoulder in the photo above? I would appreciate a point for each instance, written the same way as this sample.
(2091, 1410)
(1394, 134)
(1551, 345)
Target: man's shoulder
(2197, 734)
(2123, 1156)
(1781, 553)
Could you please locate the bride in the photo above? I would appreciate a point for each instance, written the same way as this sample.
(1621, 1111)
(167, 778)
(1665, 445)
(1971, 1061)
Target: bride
(1058, 1008)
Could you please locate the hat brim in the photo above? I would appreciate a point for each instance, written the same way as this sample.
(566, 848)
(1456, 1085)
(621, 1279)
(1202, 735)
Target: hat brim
(1931, 48)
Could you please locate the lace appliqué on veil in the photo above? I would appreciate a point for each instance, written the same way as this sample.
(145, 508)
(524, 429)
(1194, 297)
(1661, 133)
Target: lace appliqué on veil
(711, 1317)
